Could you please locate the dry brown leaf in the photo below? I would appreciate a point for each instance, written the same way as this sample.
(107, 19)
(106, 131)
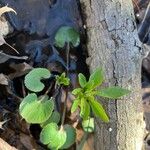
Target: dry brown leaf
(5, 146)
(4, 57)
(4, 26)
(3, 79)
(6, 9)
(20, 70)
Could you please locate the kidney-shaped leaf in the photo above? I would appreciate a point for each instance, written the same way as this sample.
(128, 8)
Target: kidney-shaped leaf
(71, 136)
(55, 118)
(98, 110)
(33, 79)
(54, 137)
(34, 110)
(67, 35)
(113, 92)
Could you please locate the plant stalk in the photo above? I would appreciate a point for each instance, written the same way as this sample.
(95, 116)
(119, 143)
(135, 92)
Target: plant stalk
(65, 103)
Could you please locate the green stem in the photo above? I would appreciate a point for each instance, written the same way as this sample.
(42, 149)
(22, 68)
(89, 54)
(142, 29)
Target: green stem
(47, 91)
(65, 103)
(83, 140)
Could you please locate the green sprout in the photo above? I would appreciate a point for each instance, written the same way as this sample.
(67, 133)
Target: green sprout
(85, 96)
(62, 80)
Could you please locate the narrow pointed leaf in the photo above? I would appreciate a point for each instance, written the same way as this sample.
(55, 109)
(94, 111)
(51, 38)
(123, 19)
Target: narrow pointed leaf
(97, 77)
(77, 91)
(98, 110)
(85, 109)
(89, 86)
(75, 105)
(82, 80)
(113, 92)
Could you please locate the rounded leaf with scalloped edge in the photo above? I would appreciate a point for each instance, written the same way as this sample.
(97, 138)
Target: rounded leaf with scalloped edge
(53, 136)
(33, 79)
(68, 35)
(71, 136)
(34, 110)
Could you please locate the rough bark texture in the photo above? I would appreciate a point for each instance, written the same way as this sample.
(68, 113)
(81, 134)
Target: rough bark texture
(114, 45)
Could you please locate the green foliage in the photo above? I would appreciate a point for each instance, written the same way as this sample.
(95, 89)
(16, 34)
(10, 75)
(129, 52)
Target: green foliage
(97, 77)
(88, 125)
(55, 117)
(82, 80)
(71, 136)
(85, 96)
(34, 110)
(33, 79)
(62, 80)
(40, 110)
(53, 136)
(57, 138)
(67, 35)
(98, 110)
(113, 92)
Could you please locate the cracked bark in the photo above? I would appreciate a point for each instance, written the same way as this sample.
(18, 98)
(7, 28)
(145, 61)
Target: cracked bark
(113, 44)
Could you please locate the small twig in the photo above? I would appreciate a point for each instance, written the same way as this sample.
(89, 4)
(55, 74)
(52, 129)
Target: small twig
(47, 91)
(11, 47)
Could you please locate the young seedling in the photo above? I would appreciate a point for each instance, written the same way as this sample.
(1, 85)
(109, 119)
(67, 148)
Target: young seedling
(86, 95)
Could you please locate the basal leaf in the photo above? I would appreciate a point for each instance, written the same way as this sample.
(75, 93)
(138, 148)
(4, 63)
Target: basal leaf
(88, 125)
(97, 77)
(33, 79)
(98, 110)
(55, 118)
(71, 136)
(67, 35)
(113, 92)
(75, 105)
(27, 101)
(53, 136)
(34, 110)
(82, 80)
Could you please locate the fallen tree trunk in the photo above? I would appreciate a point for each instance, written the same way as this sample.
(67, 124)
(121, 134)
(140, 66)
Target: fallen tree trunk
(113, 44)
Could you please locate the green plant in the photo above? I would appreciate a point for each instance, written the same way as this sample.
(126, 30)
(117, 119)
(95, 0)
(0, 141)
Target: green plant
(42, 110)
(86, 95)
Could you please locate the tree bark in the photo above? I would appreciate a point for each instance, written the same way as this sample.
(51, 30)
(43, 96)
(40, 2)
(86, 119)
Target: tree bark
(113, 44)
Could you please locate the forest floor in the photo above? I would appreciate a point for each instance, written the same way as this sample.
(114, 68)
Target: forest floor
(31, 32)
